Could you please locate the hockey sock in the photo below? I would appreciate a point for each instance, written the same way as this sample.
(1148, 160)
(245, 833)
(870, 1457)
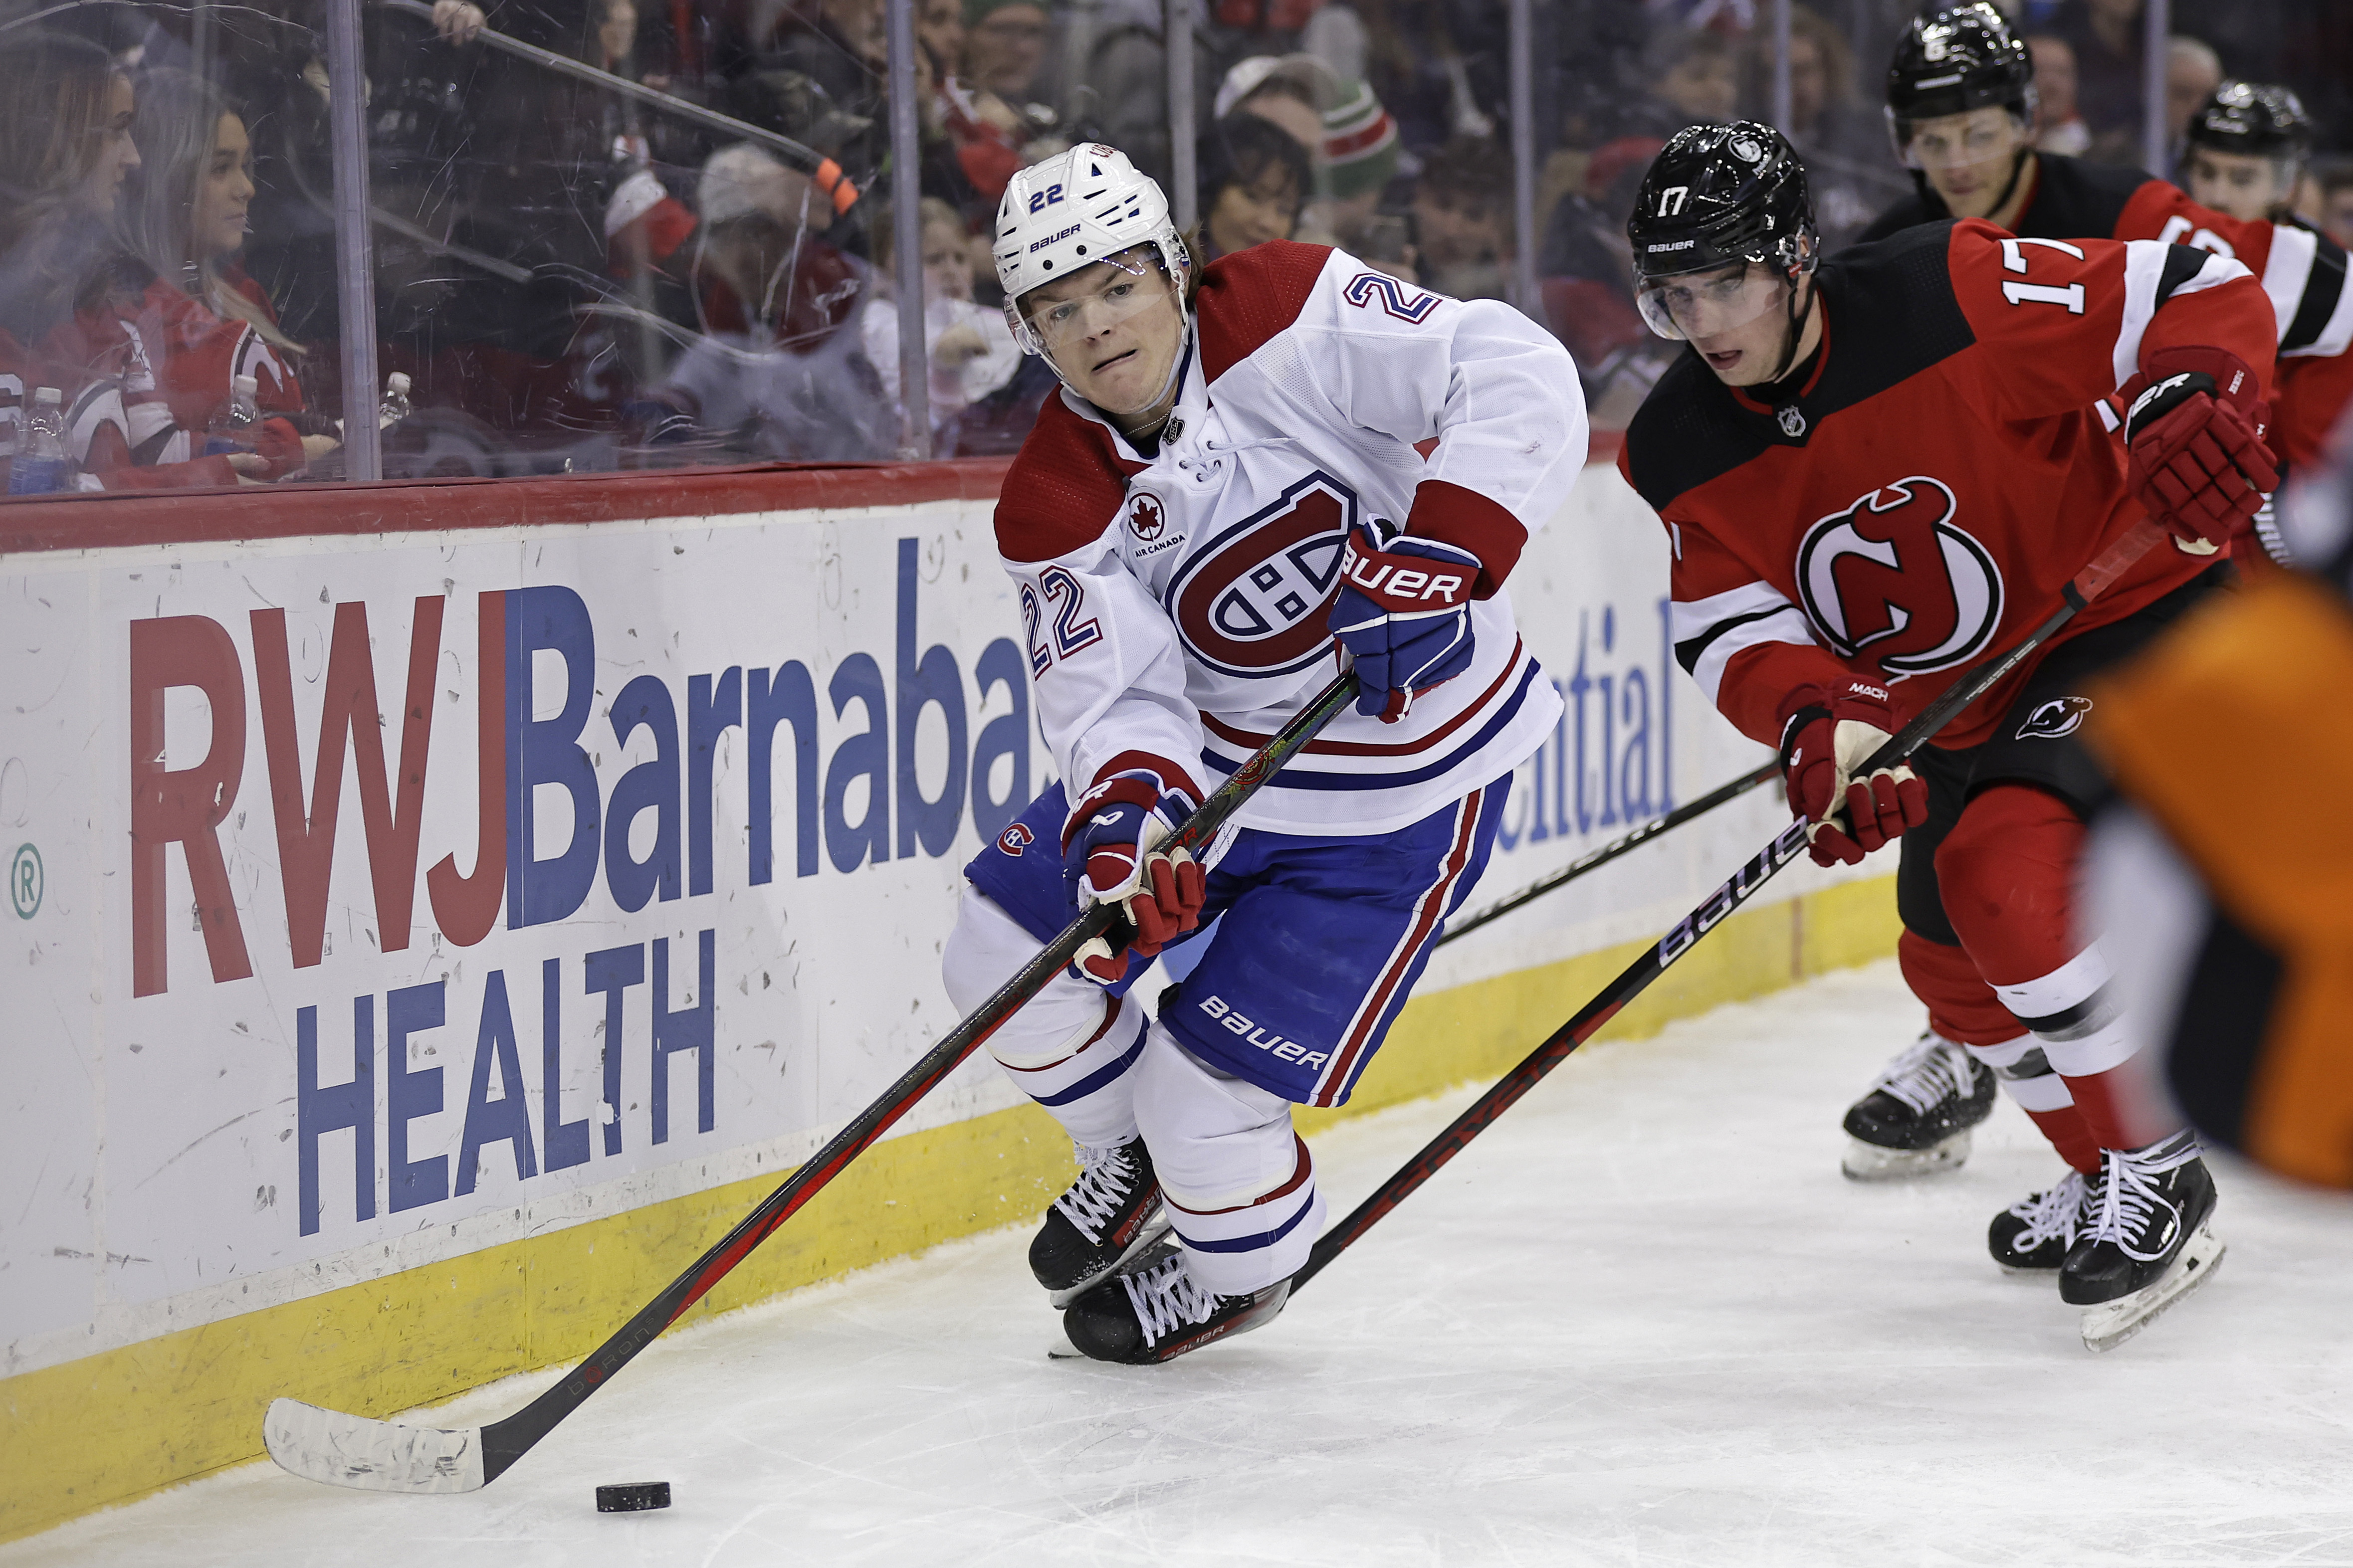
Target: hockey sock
(2027, 1076)
(2007, 874)
(1074, 1048)
(1240, 1183)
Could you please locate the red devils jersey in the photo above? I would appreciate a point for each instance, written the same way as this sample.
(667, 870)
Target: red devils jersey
(2303, 273)
(1920, 503)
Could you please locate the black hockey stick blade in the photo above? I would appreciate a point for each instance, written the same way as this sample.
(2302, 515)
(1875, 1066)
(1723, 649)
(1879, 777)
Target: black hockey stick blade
(357, 1451)
(1653, 962)
(1594, 858)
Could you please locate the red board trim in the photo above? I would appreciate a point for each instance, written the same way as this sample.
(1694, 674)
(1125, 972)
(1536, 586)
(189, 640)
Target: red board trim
(102, 521)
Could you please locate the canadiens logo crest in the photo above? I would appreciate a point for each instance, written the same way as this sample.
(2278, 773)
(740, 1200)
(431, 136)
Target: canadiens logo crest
(2059, 715)
(1146, 516)
(1893, 578)
(1249, 601)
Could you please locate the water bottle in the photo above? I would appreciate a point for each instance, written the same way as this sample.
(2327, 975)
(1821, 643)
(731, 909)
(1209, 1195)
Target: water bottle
(232, 429)
(395, 406)
(42, 466)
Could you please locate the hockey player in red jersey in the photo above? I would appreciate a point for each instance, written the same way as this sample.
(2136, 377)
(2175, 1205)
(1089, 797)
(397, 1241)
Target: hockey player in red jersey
(1225, 498)
(1960, 106)
(1878, 472)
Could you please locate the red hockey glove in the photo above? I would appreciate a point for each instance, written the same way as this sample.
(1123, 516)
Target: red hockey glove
(1112, 854)
(2195, 428)
(1403, 612)
(1826, 732)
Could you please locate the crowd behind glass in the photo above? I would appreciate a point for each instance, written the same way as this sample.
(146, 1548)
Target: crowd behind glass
(569, 279)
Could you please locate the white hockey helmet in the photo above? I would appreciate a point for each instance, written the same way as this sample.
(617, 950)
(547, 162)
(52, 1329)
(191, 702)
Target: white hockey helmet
(1069, 211)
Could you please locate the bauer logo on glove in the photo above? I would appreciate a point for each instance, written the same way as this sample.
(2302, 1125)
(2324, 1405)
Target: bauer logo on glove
(1403, 613)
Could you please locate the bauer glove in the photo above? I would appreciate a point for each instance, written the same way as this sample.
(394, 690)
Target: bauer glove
(2194, 424)
(1826, 732)
(1112, 854)
(1404, 615)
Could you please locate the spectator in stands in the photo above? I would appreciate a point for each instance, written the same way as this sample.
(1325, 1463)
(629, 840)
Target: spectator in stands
(2106, 37)
(1693, 79)
(1255, 179)
(1360, 159)
(971, 348)
(2334, 215)
(820, 80)
(1005, 52)
(1463, 220)
(1292, 90)
(199, 320)
(2058, 125)
(774, 373)
(1844, 148)
(2192, 71)
(1586, 267)
(65, 150)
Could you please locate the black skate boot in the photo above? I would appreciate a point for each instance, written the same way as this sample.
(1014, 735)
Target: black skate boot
(1110, 1214)
(1916, 1119)
(2144, 1242)
(1155, 1312)
(2032, 1235)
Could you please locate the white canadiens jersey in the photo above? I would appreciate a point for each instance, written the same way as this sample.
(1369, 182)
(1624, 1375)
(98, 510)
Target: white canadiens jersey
(1174, 606)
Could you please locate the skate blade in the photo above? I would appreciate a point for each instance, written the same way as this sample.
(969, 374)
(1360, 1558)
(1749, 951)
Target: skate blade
(1870, 1162)
(1153, 1231)
(2111, 1323)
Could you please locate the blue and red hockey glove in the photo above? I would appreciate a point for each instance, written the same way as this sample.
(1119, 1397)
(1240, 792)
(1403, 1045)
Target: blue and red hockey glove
(2194, 424)
(1826, 732)
(1404, 614)
(1112, 854)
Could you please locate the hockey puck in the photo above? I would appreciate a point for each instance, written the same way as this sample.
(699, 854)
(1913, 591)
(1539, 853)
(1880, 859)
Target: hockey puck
(633, 1497)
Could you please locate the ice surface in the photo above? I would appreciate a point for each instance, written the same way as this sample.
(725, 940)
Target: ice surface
(1644, 1320)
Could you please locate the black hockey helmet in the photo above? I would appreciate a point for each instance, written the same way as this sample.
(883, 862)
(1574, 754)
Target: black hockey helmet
(1720, 193)
(1955, 60)
(1728, 199)
(2255, 119)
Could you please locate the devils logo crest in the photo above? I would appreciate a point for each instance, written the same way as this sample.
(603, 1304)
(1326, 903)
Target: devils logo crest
(1891, 579)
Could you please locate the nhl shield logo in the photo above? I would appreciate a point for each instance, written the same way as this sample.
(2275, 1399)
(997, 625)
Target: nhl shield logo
(1146, 517)
(2059, 715)
(1792, 420)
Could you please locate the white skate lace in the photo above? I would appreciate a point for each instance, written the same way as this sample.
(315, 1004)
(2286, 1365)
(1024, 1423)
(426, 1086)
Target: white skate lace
(2052, 1216)
(1106, 1176)
(1165, 1299)
(2129, 1198)
(1931, 1068)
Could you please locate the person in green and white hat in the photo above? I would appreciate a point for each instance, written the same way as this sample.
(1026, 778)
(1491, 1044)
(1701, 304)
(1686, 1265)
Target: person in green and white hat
(1358, 159)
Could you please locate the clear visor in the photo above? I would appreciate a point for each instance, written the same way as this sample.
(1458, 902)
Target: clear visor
(1059, 319)
(1982, 140)
(1688, 305)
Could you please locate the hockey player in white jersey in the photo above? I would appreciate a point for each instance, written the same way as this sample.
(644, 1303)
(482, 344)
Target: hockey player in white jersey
(1226, 495)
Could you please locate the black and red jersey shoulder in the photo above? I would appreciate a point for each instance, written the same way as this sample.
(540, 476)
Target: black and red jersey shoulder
(2302, 270)
(1924, 498)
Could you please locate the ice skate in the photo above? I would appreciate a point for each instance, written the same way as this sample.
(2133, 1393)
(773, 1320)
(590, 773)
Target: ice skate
(2032, 1235)
(2144, 1244)
(1155, 1312)
(1916, 1119)
(1110, 1214)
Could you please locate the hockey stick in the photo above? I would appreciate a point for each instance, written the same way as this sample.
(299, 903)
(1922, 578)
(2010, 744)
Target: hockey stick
(384, 1456)
(2093, 580)
(1593, 858)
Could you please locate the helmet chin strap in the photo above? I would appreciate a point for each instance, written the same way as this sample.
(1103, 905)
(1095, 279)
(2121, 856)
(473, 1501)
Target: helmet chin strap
(1795, 331)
